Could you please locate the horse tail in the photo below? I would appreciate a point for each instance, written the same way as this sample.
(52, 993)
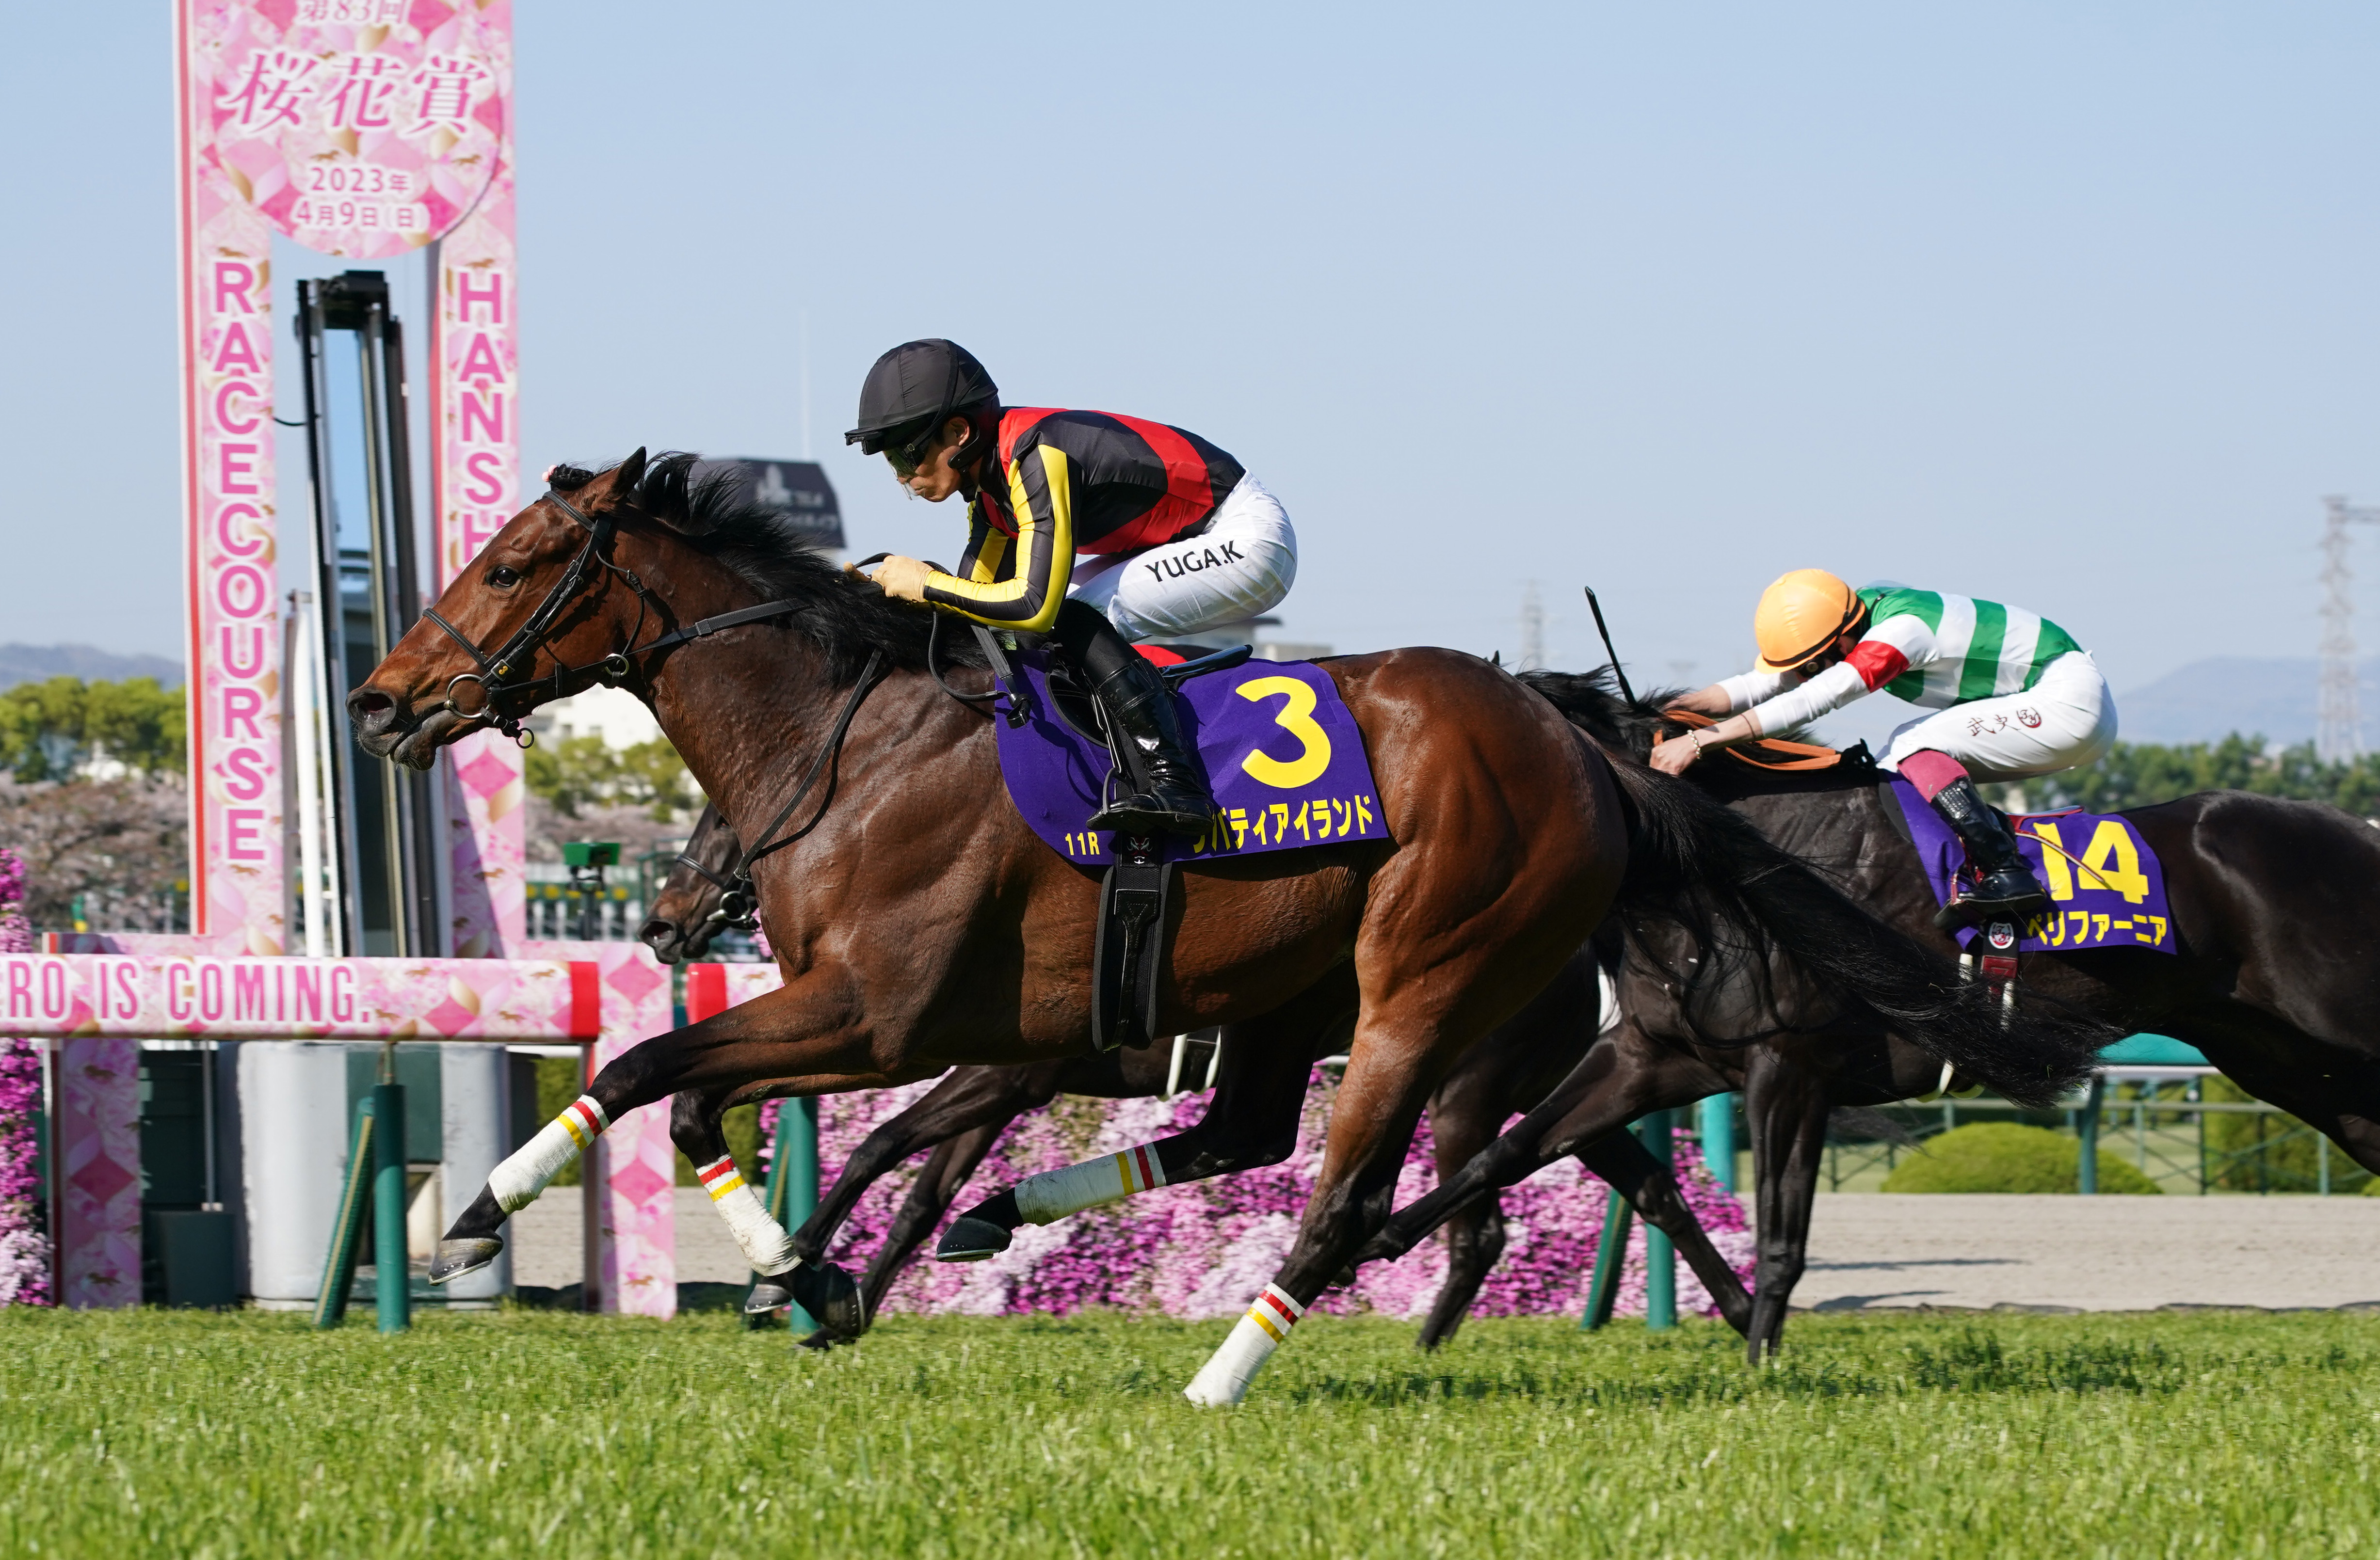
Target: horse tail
(1699, 864)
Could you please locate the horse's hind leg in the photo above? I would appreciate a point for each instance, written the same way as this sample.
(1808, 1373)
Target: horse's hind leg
(1786, 1105)
(1652, 1189)
(939, 1181)
(694, 1115)
(969, 1098)
(1250, 1122)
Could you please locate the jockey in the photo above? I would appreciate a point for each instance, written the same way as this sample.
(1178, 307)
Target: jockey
(2013, 697)
(1172, 537)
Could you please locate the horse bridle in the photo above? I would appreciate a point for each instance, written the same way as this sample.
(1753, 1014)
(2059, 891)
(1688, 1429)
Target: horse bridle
(497, 678)
(497, 681)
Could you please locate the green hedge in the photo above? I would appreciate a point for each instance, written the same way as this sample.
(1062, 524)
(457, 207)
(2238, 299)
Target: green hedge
(2001, 1156)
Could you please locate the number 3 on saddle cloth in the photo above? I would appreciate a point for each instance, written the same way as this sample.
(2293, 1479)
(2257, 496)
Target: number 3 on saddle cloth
(2106, 888)
(1282, 758)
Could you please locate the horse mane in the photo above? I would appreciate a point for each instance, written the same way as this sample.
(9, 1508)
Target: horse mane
(845, 617)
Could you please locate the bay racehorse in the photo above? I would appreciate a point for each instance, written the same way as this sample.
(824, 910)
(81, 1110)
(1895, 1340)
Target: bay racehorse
(927, 926)
(958, 1122)
(2276, 908)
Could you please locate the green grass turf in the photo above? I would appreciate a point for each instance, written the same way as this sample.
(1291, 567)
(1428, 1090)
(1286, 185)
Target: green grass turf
(520, 1434)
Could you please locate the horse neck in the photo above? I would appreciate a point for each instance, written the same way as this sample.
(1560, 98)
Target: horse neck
(746, 713)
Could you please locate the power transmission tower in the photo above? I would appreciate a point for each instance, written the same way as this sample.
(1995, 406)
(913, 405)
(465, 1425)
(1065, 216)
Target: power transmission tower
(2339, 719)
(1533, 629)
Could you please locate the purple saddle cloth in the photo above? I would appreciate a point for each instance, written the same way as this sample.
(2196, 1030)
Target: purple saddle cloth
(2106, 889)
(1283, 760)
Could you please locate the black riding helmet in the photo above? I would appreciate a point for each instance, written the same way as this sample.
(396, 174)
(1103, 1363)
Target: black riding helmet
(912, 390)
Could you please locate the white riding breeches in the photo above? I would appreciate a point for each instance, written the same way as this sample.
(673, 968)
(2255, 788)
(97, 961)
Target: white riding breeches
(2065, 720)
(1240, 565)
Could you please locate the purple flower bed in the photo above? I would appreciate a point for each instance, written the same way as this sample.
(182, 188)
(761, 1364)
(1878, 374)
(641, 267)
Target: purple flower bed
(24, 1254)
(1204, 1249)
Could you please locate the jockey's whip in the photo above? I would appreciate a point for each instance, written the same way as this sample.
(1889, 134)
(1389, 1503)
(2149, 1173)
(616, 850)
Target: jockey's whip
(1596, 608)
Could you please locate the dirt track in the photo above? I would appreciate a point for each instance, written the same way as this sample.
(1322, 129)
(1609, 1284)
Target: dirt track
(2092, 1253)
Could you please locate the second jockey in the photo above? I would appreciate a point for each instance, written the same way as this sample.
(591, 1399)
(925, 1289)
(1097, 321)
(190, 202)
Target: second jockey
(2013, 697)
(1095, 529)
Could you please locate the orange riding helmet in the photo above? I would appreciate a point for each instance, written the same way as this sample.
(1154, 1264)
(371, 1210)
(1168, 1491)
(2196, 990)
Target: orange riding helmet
(1800, 615)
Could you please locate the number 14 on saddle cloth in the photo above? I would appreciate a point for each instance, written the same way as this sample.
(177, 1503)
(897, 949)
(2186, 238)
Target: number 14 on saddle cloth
(2106, 888)
(1284, 762)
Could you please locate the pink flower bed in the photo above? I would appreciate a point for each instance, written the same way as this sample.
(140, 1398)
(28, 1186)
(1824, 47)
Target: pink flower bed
(24, 1255)
(1205, 1249)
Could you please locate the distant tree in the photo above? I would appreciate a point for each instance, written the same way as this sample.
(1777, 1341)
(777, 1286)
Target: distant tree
(578, 774)
(2141, 774)
(121, 846)
(52, 730)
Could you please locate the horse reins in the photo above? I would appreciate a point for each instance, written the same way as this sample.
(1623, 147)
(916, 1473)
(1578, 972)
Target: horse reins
(497, 682)
(496, 678)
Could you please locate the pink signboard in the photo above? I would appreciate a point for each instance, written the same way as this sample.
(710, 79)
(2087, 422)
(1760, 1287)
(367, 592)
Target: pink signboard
(237, 898)
(359, 127)
(475, 488)
(98, 1083)
(202, 996)
(632, 1170)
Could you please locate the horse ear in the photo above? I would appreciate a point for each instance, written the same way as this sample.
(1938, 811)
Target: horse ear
(629, 472)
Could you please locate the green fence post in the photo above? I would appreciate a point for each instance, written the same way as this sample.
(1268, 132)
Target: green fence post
(346, 1231)
(797, 1151)
(2086, 1166)
(1610, 1256)
(2322, 1164)
(1660, 1256)
(1718, 1138)
(392, 1283)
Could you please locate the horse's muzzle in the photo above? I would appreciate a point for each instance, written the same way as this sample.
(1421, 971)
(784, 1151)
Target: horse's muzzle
(383, 730)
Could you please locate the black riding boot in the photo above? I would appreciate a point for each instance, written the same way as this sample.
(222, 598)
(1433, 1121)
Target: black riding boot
(2008, 891)
(1168, 794)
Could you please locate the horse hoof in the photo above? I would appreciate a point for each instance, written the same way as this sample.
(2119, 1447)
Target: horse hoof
(971, 1239)
(767, 1295)
(457, 1258)
(842, 1313)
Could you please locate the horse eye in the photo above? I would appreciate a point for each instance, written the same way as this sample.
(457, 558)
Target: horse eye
(502, 577)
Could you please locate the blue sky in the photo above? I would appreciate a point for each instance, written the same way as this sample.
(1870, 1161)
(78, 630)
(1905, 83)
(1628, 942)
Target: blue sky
(2072, 306)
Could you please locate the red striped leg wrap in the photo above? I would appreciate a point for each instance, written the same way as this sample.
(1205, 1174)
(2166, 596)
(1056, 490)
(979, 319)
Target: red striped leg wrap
(1275, 1311)
(584, 1120)
(720, 1177)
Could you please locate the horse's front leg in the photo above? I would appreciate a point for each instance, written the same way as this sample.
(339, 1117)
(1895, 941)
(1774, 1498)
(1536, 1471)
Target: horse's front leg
(802, 1035)
(1250, 1122)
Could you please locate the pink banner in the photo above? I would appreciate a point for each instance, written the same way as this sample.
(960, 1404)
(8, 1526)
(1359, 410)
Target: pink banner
(475, 488)
(238, 893)
(360, 127)
(99, 1171)
(192, 997)
(632, 1173)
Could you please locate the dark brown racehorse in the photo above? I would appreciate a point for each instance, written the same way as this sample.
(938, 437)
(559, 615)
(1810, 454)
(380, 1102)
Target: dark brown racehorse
(927, 926)
(2277, 919)
(962, 1117)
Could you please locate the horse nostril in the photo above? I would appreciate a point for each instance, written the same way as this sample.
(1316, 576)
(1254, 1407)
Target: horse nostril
(371, 709)
(661, 937)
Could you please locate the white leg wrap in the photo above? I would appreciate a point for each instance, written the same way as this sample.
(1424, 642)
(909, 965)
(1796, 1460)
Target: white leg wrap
(765, 1243)
(520, 1179)
(1223, 1380)
(1054, 1194)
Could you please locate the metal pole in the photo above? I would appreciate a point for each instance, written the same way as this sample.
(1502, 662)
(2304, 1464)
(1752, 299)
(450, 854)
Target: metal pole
(1610, 1256)
(1660, 1255)
(392, 1287)
(346, 1231)
(797, 1151)
(2086, 1177)
(1718, 1138)
(2322, 1164)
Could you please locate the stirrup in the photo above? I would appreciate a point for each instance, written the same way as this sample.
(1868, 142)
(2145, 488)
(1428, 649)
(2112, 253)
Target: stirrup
(1149, 814)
